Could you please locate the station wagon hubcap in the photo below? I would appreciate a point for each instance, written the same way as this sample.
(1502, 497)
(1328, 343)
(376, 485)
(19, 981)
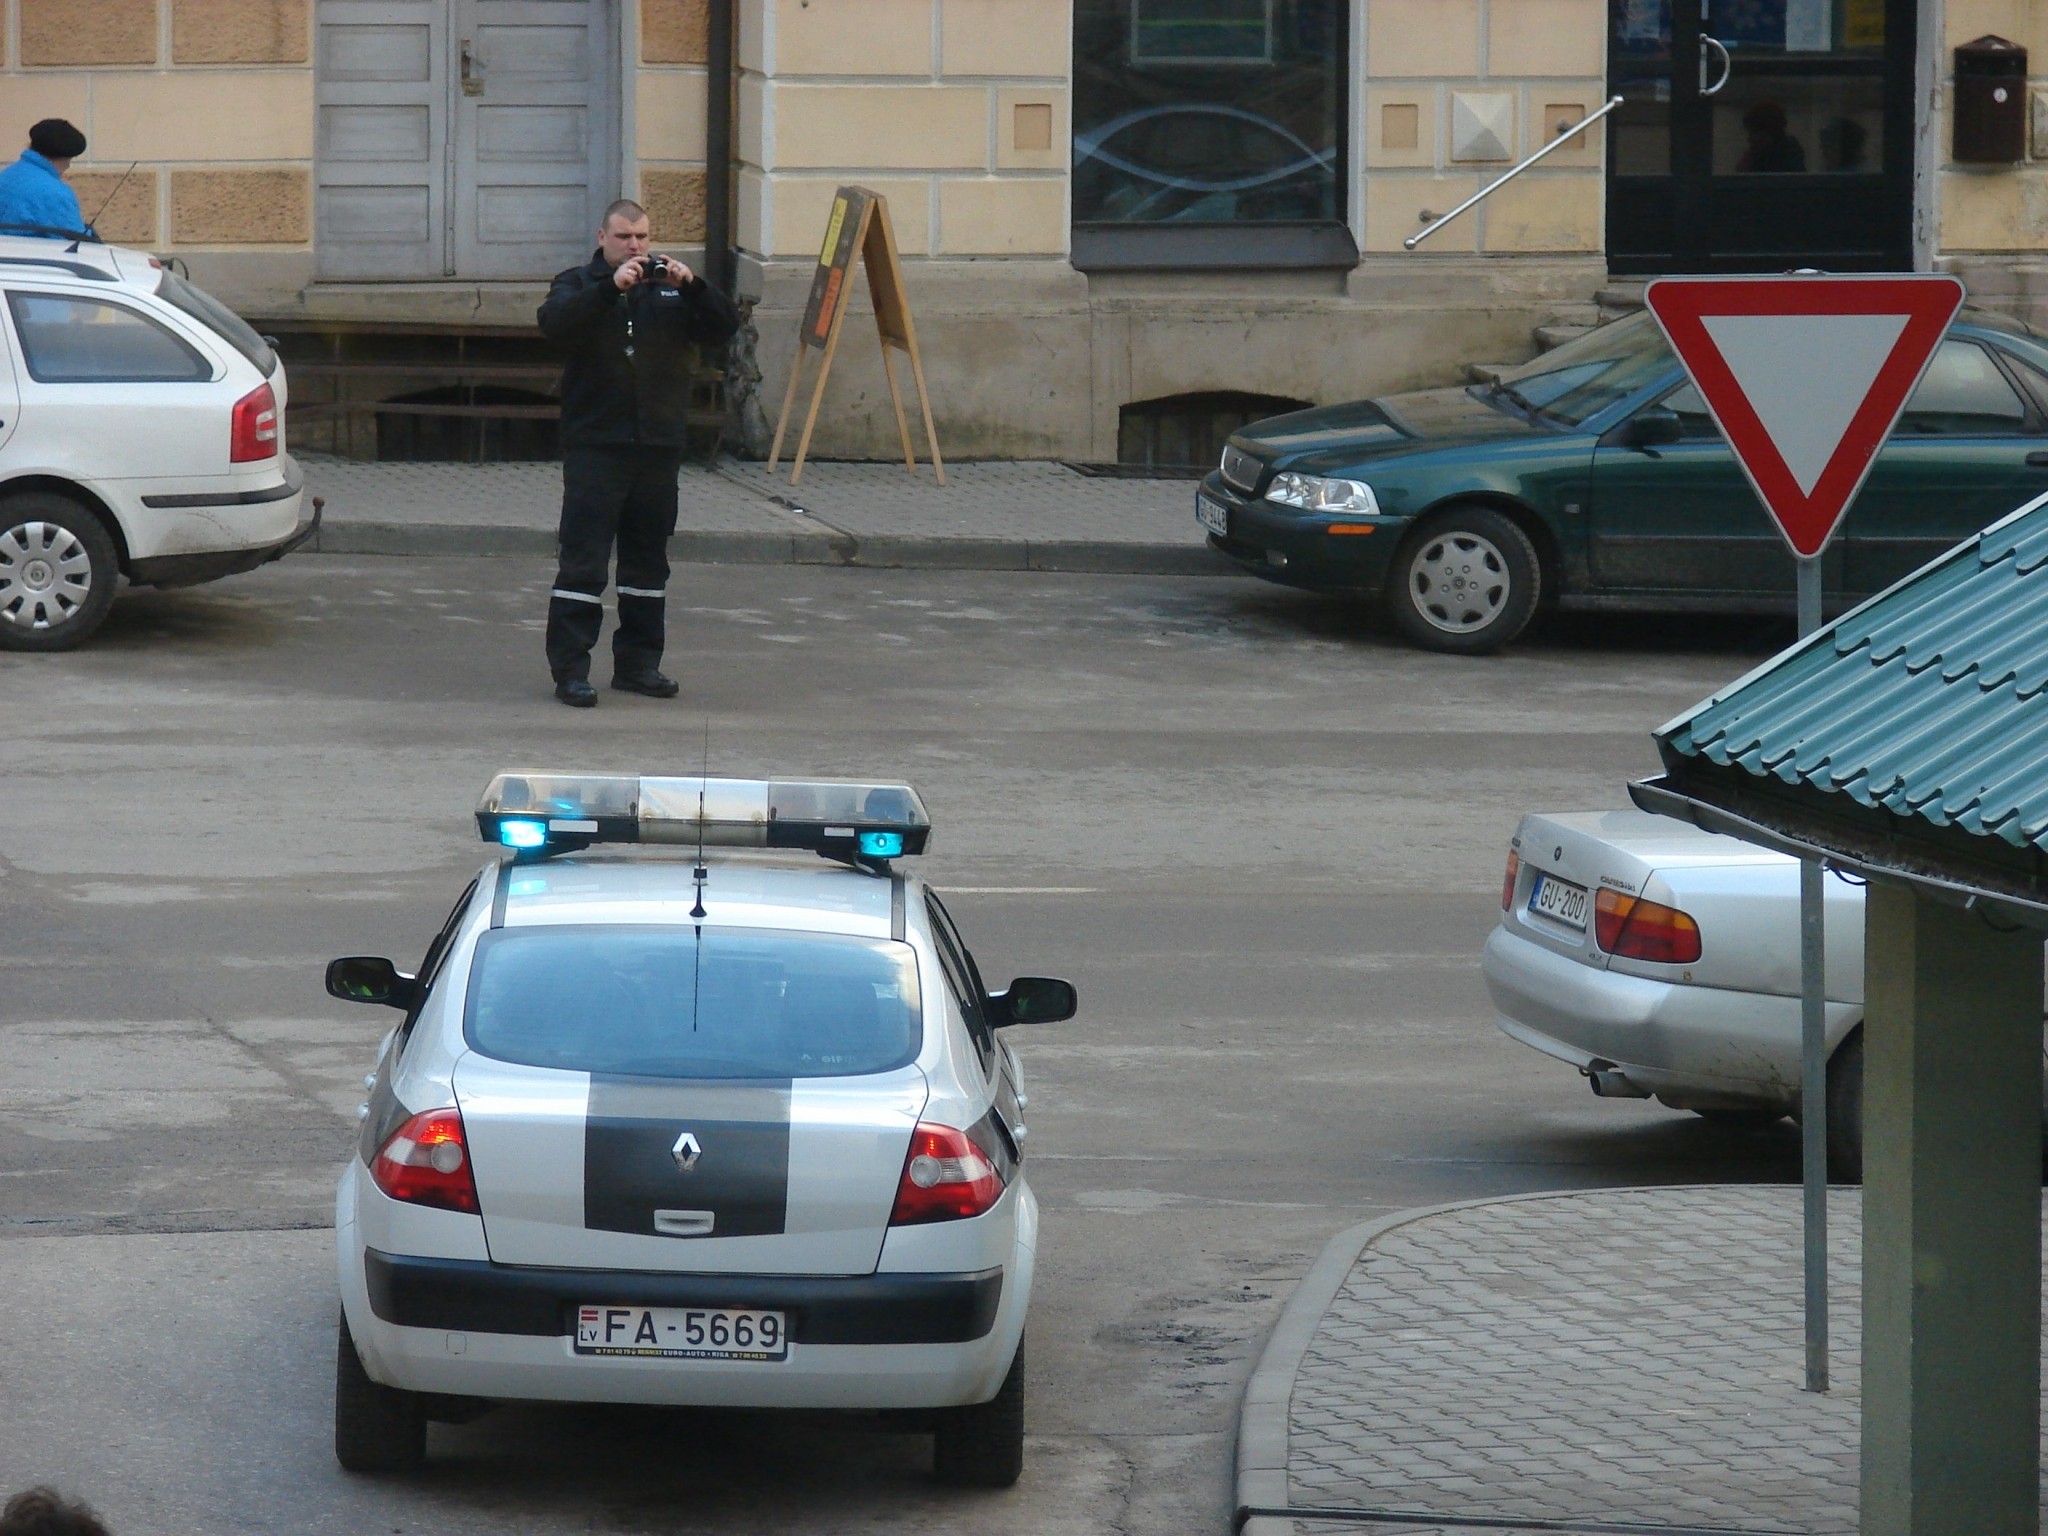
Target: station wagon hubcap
(45, 575)
(1459, 582)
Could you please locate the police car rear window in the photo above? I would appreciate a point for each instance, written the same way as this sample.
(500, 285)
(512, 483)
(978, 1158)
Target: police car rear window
(690, 1002)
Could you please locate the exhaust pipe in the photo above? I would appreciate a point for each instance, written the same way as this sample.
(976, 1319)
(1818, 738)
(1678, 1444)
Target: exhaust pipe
(1608, 1082)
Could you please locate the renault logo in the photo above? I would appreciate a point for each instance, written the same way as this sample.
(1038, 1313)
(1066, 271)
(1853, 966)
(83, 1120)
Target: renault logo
(685, 1152)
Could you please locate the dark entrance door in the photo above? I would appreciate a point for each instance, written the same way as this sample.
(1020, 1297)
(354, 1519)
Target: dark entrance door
(1760, 135)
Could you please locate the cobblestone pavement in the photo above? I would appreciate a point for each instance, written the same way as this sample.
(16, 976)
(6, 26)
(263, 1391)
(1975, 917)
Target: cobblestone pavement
(993, 500)
(1001, 515)
(521, 496)
(1627, 1355)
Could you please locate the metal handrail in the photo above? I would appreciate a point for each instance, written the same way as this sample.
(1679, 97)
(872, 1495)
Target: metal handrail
(1572, 131)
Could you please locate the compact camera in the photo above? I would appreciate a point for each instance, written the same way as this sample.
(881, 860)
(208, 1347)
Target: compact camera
(654, 269)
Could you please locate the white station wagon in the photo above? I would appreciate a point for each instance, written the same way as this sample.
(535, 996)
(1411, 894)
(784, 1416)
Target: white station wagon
(691, 1126)
(141, 435)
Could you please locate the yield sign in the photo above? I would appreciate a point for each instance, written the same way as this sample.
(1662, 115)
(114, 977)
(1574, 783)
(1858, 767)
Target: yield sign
(1805, 377)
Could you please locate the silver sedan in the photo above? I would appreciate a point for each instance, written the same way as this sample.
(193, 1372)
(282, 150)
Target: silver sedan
(1660, 960)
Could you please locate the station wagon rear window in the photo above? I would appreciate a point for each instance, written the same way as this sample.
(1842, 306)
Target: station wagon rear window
(694, 1002)
(70, 339)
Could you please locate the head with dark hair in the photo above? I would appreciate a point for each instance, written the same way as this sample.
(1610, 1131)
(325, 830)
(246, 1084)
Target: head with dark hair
(625, 208)
(55, 139)
(45, 1512)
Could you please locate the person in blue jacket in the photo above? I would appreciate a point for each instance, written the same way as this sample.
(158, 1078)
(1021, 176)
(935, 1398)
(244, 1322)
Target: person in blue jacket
(33, 197)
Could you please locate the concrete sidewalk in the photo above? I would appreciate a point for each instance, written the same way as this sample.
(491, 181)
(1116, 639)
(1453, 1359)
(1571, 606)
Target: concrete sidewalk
(988, 516)
(1615, 1360)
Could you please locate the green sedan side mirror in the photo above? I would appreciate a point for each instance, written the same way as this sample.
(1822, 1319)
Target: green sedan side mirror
(370, 979)
(1653, 427)
(1033, 1000)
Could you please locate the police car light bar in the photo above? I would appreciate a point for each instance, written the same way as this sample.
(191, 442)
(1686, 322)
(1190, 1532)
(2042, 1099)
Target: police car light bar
(536, 814)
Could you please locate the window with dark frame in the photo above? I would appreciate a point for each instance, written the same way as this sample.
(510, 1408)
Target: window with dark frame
(1194, 114)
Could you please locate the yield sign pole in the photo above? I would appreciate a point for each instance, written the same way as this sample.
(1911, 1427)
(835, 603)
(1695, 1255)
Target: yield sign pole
(1805, 376)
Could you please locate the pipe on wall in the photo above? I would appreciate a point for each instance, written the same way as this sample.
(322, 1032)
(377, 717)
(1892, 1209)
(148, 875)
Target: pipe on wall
(718, 254)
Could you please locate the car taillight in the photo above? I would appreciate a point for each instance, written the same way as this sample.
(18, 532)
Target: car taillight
(426, 1162)
(255, 427)
(1644, 930)
(1507, 886)
(946, 1177)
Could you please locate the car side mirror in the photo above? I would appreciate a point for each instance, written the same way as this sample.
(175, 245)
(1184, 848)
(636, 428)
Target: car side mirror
(1033, 1000)
(370, 979)
(1654, 426)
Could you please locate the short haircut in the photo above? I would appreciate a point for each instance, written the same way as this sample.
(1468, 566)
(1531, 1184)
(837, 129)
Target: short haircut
(45, 1512)
(625, 208)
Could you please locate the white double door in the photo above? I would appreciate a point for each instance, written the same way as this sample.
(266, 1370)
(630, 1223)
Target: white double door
(463, 138)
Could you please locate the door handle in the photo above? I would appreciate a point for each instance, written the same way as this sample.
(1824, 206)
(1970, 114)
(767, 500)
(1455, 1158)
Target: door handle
(1727, 64)
(2037, 461)
(472, 72)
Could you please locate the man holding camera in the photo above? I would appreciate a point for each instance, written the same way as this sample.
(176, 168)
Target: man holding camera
(628, 321)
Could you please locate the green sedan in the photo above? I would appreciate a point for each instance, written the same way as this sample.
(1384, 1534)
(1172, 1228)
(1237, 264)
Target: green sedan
(1593, 477)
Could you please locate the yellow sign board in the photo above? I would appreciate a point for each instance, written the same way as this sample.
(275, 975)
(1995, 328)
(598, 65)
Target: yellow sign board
(858, 229)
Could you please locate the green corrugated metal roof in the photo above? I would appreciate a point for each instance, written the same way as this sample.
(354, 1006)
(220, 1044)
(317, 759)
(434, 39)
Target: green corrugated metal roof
(1929, 701)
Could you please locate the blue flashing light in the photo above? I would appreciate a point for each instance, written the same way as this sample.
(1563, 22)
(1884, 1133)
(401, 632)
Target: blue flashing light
(523, 834)
(881, 845)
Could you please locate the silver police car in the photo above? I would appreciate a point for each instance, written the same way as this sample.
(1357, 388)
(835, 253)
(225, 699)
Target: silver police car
(705, 1121)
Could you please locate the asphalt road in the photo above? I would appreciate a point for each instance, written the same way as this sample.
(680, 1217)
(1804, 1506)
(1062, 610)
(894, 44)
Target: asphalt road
(1262, 837)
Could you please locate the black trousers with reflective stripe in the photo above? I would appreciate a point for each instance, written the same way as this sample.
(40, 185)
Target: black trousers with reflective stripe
(624, 496)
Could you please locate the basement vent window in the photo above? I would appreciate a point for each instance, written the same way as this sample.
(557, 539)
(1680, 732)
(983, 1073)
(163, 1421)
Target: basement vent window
(1183, 434)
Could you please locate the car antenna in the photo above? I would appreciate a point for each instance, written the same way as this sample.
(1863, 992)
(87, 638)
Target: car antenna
(93, 222)
(703, 782)
(697, 912)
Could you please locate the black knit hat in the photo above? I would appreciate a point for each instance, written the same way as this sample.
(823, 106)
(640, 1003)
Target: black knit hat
(56, 139)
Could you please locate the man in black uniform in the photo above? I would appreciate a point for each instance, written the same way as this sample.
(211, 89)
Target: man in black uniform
(627, 321)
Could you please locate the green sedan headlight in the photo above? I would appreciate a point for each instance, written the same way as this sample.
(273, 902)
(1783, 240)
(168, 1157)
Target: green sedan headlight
(1313, 493)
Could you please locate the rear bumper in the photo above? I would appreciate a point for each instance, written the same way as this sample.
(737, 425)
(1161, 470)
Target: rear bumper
(210, 565)
(1665, 1037)
(475, 1296)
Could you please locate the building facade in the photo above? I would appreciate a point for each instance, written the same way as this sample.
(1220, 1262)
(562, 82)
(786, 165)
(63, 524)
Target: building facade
(1123, 221)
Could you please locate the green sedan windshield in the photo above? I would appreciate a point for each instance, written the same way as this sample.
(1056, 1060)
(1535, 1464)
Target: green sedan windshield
(1584, 377)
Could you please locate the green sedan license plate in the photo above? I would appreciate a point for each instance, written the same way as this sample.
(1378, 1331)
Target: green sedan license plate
(1212, 515)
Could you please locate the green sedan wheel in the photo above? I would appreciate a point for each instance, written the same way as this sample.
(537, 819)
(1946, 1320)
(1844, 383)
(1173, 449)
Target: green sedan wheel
(1465, 581)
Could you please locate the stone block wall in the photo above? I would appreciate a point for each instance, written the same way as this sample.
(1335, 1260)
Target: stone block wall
(1456, 91)
(198, 114)
(955, 110)
(670, 118)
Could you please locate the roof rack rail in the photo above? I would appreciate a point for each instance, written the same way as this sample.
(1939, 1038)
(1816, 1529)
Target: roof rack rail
(75, 268)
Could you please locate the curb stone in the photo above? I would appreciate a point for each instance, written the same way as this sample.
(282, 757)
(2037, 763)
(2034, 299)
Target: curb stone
(1263, 1424)
(703, 546)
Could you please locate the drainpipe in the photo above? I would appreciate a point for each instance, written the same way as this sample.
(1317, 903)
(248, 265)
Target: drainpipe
(718, 148)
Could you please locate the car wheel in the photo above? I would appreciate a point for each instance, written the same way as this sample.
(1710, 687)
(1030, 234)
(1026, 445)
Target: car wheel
(376, 1428)
(58, 572)
(1845, 1111)
(1466, 581)
(983, 1446)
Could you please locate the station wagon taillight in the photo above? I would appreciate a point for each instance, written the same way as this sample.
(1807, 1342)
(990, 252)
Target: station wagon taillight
(946, 1177)
(1507, 886)
(255, 427)
(426, 1162)
(1644, 930)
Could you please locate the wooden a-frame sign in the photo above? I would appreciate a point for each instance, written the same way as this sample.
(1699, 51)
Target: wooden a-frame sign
(859, 227)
